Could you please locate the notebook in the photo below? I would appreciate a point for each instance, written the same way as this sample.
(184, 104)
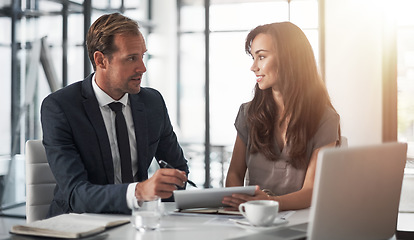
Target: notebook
(356, 194)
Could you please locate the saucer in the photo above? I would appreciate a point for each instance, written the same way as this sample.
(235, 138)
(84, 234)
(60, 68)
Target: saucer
(246, 225)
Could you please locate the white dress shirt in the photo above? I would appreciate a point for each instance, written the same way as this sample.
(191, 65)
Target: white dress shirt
(109, 120)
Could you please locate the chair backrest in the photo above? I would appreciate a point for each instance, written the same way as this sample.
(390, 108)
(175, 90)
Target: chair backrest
(344, 141)
(40, 182)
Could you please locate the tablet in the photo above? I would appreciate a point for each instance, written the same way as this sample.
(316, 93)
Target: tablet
(207, 198)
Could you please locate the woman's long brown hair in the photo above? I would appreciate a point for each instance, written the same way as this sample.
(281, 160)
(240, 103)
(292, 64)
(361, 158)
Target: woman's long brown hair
(304, 94)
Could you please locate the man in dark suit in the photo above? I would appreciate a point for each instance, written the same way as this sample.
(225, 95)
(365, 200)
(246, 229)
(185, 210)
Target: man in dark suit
(80, 136)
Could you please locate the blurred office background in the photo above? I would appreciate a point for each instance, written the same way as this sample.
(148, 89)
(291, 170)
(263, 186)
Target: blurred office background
(196, 59)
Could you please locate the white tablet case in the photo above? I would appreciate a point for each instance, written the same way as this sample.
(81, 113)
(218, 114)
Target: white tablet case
(207, 198)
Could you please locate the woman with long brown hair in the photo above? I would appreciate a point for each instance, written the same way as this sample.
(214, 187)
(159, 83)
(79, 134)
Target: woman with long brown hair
(280, 132)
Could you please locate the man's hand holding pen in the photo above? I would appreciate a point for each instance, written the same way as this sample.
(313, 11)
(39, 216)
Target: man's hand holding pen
(164, 164)
(161, 184)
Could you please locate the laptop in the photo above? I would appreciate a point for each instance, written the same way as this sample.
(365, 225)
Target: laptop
(356, 195)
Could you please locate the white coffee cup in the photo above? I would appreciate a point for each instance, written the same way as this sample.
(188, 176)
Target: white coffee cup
(146, 214)
(260, 212)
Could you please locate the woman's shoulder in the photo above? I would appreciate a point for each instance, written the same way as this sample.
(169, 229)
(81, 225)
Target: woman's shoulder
(241, 119)
(244, 107)
(330, 114)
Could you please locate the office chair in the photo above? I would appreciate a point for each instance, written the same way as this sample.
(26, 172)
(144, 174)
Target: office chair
(40, 182)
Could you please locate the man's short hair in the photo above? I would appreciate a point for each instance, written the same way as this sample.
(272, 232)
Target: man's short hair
(101, 34)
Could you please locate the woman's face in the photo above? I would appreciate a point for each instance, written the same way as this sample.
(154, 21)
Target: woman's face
(264, 65)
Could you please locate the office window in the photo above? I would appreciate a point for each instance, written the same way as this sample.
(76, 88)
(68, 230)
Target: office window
(5, 91)
(244, 16)
(405, 79)
(190, 89)
(75, 48)
(230, 80)
(5, 96)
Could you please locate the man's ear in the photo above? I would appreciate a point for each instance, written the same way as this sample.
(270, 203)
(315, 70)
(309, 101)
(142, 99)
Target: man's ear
(100, 59)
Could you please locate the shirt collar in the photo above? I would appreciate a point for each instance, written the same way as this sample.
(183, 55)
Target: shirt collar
(103, 98)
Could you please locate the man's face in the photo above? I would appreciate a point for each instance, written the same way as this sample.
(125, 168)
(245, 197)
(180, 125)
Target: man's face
(124, 69)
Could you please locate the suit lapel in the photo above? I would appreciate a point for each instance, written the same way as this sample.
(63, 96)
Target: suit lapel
(141, 134)
(91, 106)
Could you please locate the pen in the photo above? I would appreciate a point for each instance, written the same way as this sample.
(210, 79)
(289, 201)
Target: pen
(164, 164)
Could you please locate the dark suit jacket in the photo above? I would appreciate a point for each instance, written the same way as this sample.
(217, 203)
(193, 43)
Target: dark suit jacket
(79, 154)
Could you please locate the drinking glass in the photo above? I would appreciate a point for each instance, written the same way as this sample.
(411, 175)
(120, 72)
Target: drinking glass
(146, 214)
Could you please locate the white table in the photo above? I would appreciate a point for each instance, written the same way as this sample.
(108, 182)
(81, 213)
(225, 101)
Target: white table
(199, 227)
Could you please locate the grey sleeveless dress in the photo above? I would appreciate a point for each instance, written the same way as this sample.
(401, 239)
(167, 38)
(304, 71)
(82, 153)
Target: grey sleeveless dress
(280, 176)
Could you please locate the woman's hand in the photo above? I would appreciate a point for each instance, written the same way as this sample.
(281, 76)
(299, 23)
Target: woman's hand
(237, 198)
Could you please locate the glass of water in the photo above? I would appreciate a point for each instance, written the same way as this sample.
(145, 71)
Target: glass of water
(146, 214)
